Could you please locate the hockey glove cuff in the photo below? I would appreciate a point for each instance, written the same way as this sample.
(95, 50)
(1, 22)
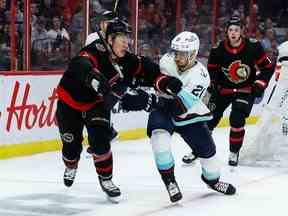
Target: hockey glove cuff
(168, 85)
(259, 87)
(98, 82)
(118, 89)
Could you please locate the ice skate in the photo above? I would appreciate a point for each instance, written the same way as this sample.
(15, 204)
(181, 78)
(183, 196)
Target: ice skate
(189, 158)
(174, 191)
(69, 176)
(112, 191)
(233, 159)
(219, 186)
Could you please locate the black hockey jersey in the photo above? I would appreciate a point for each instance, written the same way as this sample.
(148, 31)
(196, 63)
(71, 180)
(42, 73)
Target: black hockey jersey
(72, 89)
(239, 67)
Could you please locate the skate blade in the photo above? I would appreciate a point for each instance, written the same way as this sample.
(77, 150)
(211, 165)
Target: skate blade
(232, 169)
(193, 163)
(114, 200)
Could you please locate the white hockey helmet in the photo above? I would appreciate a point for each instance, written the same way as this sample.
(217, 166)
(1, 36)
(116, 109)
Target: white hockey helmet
(186, 42)
(283, 54)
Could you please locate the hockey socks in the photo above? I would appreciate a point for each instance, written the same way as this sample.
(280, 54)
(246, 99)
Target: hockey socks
(103, 164)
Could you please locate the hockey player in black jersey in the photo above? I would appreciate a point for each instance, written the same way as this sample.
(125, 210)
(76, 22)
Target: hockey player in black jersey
(88, 90)
(103, 20)
(233, 66)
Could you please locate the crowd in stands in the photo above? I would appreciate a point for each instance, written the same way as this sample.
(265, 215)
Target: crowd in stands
(57, 26)
(157, 21)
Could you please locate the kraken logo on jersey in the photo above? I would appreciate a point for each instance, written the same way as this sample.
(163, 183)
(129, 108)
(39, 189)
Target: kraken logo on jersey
(237, 72)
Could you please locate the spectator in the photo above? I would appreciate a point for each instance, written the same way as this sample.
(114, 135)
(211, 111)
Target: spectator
(40, 44)
(76, 30)
(57, 32)
(34, 14)
(268, 38)
(60, 42)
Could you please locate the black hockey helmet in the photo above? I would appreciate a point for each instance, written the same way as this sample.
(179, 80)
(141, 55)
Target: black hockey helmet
(117, 26)
(234, 20)
(104, 16)
(107, 15)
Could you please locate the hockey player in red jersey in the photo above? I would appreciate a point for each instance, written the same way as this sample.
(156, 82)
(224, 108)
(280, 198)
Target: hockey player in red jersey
(233, 66)
(88, 90)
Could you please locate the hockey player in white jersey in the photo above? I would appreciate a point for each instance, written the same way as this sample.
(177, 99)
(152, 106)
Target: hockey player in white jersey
(184, 113)
(272, 132)
(283, 86)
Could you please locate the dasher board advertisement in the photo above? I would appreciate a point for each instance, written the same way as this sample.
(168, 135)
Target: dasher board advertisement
(28, 105)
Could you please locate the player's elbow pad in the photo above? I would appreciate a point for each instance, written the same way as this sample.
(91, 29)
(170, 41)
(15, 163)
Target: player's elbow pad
(97, 81)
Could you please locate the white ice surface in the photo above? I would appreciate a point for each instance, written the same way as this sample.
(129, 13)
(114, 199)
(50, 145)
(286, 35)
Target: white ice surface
(32, 186)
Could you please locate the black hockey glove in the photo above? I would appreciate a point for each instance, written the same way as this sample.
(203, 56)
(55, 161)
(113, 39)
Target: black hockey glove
(258, 89)
(169, 85)
(118, 90)
(141, 100)
(98, 82)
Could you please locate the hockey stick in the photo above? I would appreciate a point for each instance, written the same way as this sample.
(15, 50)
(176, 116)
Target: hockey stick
(272, 92)
(115, 6)
(277, 75)
(109, 50)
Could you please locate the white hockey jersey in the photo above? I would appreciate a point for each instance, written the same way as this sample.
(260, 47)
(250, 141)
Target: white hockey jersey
(91, 38)
(279, 99)
(195, 81)
(283, 60)
(283, 86)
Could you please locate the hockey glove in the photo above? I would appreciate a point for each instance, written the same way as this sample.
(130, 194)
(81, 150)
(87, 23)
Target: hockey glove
(118, 89)
(169, 85)
(141, 100)
(258, 88)
(117, 92)
(98, 82)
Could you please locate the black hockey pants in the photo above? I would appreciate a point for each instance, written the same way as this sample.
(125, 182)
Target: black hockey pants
(241, 106)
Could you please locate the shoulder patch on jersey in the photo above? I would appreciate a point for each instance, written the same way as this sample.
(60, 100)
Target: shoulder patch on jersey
(100, 47)
(253, 40)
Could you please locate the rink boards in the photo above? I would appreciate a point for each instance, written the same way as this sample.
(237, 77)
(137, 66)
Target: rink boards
(27, 115)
